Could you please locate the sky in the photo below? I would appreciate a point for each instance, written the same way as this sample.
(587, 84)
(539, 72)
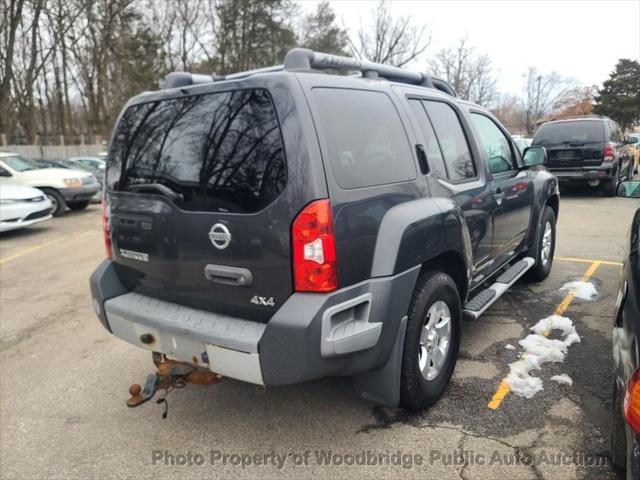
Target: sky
(580, 39)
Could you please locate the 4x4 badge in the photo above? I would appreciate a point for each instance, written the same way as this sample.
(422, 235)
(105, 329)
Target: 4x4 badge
(263, 301)
(220, 236)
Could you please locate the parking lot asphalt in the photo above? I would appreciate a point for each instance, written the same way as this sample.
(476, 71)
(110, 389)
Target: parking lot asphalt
(64, 381)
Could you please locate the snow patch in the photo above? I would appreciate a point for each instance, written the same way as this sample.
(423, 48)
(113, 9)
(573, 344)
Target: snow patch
(538, 349)
(582, 290)
(564, 379)
(508, 346)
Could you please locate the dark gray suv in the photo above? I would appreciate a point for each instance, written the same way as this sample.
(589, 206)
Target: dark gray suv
(286, 224)
(587, 150)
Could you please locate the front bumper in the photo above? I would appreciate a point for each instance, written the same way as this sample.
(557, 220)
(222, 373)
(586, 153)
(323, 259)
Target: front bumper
(22, 214)
(80, 194)
(346, 332)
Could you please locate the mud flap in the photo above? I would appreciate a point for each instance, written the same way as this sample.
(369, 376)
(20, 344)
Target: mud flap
(383, 384)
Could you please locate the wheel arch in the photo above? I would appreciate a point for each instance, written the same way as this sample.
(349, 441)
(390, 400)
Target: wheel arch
(428, 232)
(451, 263)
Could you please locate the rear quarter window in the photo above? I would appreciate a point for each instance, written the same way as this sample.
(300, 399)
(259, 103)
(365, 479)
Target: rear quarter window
(364, 136)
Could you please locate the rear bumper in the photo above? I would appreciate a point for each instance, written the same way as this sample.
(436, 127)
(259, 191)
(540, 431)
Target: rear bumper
(346, 332)
(585, 174)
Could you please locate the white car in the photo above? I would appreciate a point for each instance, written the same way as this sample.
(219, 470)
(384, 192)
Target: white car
(63, 186)
(22, 206)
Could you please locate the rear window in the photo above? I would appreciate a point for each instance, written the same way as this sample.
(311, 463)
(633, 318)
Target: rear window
(569, 132)
(220, 151)
(365, 138)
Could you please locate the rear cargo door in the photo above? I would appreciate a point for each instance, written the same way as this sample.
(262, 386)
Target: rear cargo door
(572, 144)
(196, 203)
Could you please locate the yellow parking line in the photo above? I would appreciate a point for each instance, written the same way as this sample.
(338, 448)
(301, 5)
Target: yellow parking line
(40, 246)
(503, 388)
(586, 260)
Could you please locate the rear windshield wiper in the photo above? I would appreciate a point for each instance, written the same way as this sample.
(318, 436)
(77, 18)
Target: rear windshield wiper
(158, 187)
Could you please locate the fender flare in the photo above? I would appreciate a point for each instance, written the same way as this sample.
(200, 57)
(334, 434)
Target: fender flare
(415, 232)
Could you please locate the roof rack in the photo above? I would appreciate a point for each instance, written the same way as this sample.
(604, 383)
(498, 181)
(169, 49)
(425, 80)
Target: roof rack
(302, 59)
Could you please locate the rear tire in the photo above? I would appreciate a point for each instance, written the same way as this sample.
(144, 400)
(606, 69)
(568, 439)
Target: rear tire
(58, 204)
(610, 188)
(546, 247)
(432, 340)
(78, 205)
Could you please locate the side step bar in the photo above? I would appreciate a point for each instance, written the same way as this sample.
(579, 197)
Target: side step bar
(487, 297)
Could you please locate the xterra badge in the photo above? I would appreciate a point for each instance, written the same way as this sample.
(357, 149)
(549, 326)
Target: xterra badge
(220, 236)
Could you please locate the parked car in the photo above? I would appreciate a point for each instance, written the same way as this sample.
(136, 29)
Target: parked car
(587, 150)
(49, 163)
(22, 206)
(64, 187)
(625, 425)
(330, 225)
(94, 165)
(636, 152)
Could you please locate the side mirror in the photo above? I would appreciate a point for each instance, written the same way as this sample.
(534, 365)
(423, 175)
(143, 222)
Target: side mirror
(534, 156)
(629, 189)
(630, 140)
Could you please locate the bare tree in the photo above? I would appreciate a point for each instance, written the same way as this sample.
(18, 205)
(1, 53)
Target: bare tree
(540, 92)
(10, 20)
(389, 40)
(470, 74)
(508, 109)
(188, 30)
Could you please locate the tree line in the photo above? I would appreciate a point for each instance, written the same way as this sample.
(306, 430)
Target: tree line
(68, 66)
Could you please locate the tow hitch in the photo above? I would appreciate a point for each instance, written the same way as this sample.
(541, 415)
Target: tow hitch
(170, 375)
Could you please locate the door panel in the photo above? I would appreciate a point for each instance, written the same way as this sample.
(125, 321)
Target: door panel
(444, 146)
(511, 188)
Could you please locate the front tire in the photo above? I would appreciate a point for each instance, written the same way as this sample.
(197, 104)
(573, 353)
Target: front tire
(58, 204)
(78, 205)
(546, 246)
(432, 340)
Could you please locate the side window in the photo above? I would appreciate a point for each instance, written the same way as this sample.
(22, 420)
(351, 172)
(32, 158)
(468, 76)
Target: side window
(432, 149)
(495, 143)
(365, 138)
(616, 134)
(4, 172)
(453, 143)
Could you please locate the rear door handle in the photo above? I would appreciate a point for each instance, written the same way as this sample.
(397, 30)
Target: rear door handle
(239, 277)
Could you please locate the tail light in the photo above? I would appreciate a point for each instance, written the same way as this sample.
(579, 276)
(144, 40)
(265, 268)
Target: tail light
(632, 402)
(314, 252)
(608, 152)
(105, 231)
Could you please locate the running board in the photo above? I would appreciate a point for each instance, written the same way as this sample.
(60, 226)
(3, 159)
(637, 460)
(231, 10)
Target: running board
(487, 297)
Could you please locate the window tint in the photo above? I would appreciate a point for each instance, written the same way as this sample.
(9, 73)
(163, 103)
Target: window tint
(221, 151)
(453, 143)
(495, 143)
(578, 132)
(432, 149)
(365, 138)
